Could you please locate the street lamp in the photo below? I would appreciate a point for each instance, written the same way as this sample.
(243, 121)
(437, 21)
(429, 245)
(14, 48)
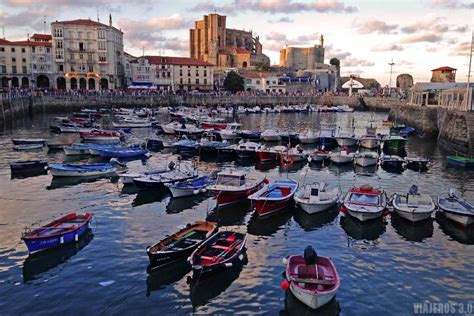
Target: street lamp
(390, 81)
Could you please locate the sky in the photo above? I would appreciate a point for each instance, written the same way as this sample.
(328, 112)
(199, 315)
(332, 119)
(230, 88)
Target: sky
(419, 35)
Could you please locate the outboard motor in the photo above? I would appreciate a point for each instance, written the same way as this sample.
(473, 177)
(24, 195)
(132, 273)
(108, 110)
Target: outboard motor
(452, 193)
(310, 256)
(171, 165)
(413, 190)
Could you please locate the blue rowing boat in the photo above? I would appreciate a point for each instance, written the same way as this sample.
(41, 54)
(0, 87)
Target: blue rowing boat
(87, 170)
(122, 152)
(57, 233)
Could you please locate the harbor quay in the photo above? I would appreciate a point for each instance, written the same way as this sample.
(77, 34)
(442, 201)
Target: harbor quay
(454, 129)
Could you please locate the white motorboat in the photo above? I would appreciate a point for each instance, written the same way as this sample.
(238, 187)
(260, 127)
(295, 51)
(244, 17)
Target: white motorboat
(75, 129)
(366, 158)
(310, 137)
(346, 139)
(318, 155)
(314, 198)
(370, 140)
(456, 209)
(365, 203)
(271, 135)
(413, 206)
(341, 157)
(230, 132)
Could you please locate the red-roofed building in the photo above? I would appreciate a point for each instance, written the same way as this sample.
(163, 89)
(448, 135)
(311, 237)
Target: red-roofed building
(88, 55)
(443, 74)
(170, 73)
(46, 38)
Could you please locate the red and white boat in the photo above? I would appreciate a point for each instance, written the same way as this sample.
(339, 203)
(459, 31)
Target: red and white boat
(213, 125)
(101, 136)
(274, 197)
(233, 186)
(365, 203)
(311, 278)
(292, 155)
(269, 154)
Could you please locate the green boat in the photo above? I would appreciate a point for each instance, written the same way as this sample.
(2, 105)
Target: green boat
(460, 161)
(394, 142)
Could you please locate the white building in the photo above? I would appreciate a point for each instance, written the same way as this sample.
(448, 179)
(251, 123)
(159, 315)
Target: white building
(262, 82)
(88, 55)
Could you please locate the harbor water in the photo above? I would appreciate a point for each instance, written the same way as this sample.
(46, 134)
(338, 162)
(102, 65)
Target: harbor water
(385, 266)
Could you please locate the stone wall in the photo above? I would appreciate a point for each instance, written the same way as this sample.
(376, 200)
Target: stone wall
(422, 118)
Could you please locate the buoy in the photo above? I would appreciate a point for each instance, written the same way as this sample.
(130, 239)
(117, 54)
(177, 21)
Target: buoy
(76, 237)
(196, 192)
(386, 213)
(285, 285)
(342, 209)
(285, 261)
(228, 265)
(61, 240)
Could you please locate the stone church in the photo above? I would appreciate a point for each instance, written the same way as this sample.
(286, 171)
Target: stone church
(212, 42)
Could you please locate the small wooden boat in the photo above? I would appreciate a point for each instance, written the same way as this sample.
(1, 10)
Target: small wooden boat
(181, 244)
(28, 166)
(246, 150)
(233, 186)
(319, 155)
(74, 128)
(219, 252)
(265, 154)
(58, 146)
(274, 197)
(290, 156)
(327, 137)
(370, 139)
(159, 180)
(413, 206)
(87, 170)
(365, 203)
(314, 198)
(460, 161)
(28, 147)
(341, 157)
(346, 139)
(190, 187)
(392, 161)
(366, 158)
(122, 152)
(57, 233)
(103, 137)
(28, 141)
(311, 278)
(456, 209)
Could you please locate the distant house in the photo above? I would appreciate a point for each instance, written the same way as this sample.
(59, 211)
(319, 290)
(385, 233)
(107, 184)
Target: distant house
(359, 83)
(438, 94)
(443, 74)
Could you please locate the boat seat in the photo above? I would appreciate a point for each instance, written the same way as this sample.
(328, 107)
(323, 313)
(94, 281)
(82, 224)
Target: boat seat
(307, 271)
(230, 239)
(220, 247)
(285, 191)
(207, 258)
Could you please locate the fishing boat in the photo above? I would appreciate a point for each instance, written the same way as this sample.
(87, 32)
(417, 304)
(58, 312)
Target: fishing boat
(370, 140)
(191, 187)
(316, 197)
(346, 139)
(456, 209)
(246, 150)
(187, 146)
(271, 135)
(57, 233)
(181, 244)
(392, 161)
(28, 166)
(74, 128)
(209, 144)
(28, 141)
(310, 137)
(413, 206)
(273, 197)
(233, 186)
(319, 155)
(127, 178)
(407, 131)
(159, 181)
(230, 132)
(292, 155)
(24, 147)
(265, 154)
(133, 123)
(250, 135)
(326, 137)
(394, 142)
(460, 161)
(290, 138)
(365, 203)
(122, 152)
(311, 278)
(170, 127)
(213, 125)
(341, 157)
(416, 163)
(154, 143)
(57, 146)
(219, 252)
(103, 137)
(366, 158)
(86, 170)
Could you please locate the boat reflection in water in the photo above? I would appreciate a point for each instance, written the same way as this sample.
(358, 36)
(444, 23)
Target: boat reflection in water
(229, 215)
(413, 231)
(365, 171)
(177, 205)
(295, 307)
(158, 278)
(149, 196)
(265, 166)
(294, 167)
(64, 182)
(270, 225)
(37, 264)
(340, 169)
(462, 234)
(313, 221)
(203, 289)
(368, 230)
(28, 174)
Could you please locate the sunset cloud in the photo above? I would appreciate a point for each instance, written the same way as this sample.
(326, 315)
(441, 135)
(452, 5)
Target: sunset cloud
(387, 48)
(418, 38)
(376, 26)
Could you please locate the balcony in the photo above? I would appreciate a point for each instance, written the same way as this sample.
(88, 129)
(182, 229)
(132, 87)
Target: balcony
(77, 50)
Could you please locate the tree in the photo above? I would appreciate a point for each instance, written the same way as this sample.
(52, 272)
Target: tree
(233, 82)
(335, 62)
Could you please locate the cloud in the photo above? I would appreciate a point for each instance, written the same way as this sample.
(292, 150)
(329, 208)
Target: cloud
(283, 19)
(424, 37)
(376, 26)
(356, 62)
(387, 48)
(452, 4)
(435, 24)
(173, 22)
(275, 40)
(462, 49)
(278, 6)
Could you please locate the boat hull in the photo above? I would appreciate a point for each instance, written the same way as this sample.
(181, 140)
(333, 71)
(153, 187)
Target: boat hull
(312, 208)
(267, 156)
(310, 300)
(346, 141)
(226, 198)
(266, 208)
(364, 216)
(464, 220)
(369, 143)
(365, 161)
(78, 173)
(413, 216)
(102, 139)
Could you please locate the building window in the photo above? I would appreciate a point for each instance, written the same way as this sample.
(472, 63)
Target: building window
(59, 44)
(268, 81)
(181, 80)
(2, 49)
(89, 57)
(181, 72)
(61, 68)
(71, 56)
(101, 34)
(3, 69)
(205, 81)
(257, 82)
(168, 74)
(23, 50)
(13, 60)
(101, 45)
(102, 58)
(73, 69)
(197, 80)
(13, 69)
(59, 54)
(33, 50)
(81, 47)
(24, 69)
(58, 32)
(189, 73)
(23, 60)
(13, 49)
(189, 80)
(205, 73)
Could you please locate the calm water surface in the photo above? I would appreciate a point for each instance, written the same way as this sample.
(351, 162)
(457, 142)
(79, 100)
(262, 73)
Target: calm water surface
(385, 267)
